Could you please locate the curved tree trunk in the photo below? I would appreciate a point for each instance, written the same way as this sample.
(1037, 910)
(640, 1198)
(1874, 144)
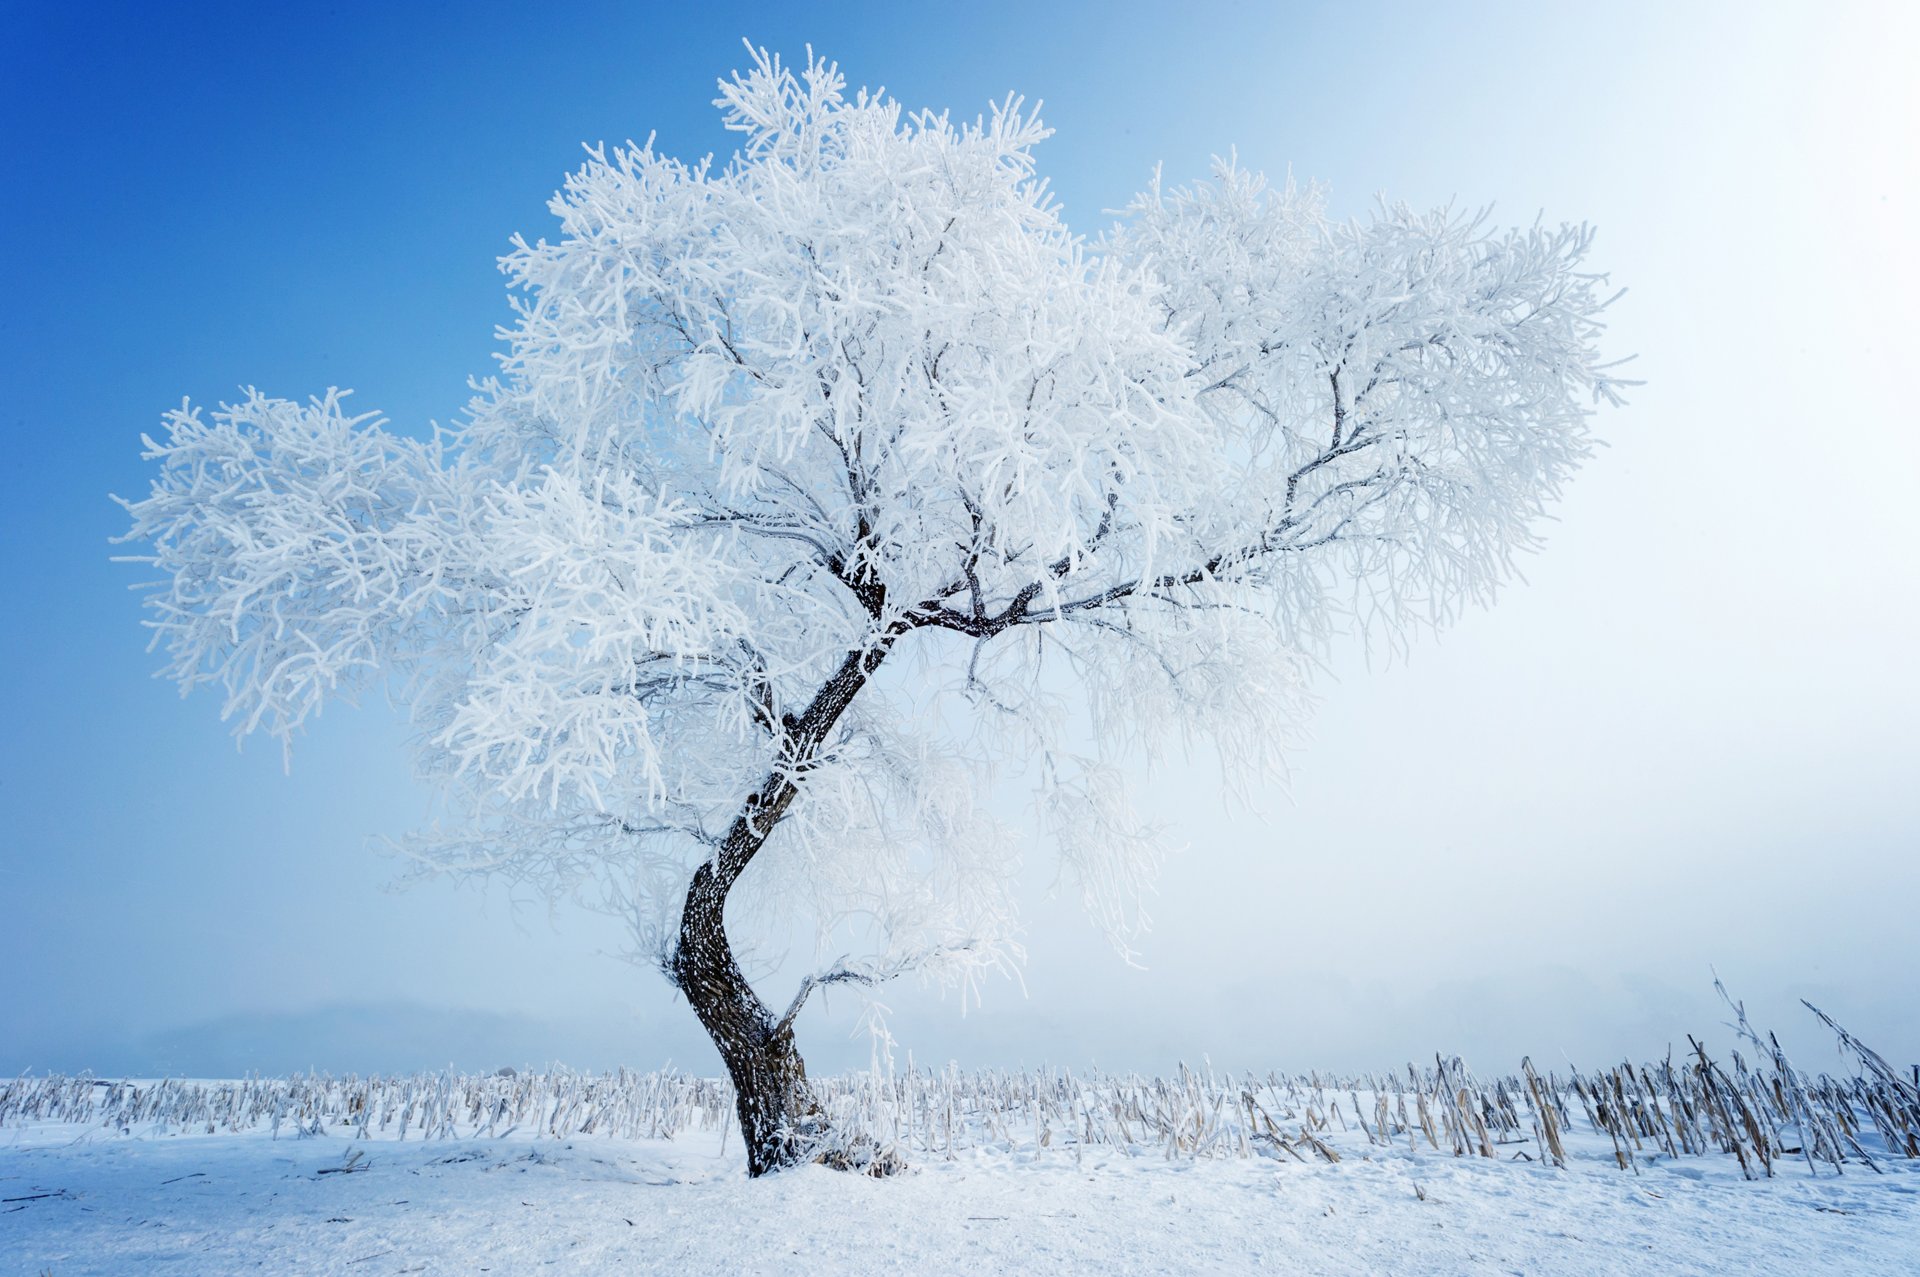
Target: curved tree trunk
(777, 1113)
(779, 1121)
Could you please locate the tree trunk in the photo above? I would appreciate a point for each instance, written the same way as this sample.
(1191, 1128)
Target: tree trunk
(779, 1121)
(778, 1118)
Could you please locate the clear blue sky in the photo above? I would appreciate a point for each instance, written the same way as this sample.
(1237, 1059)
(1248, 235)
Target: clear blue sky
(1688, 740)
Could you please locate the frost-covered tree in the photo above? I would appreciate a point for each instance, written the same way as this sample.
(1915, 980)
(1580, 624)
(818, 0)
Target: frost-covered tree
(810, 486)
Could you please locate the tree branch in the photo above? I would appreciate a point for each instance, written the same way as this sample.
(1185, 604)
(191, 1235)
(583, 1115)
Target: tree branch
(866, 973)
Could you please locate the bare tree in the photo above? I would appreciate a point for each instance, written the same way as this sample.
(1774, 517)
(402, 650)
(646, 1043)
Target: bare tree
(761, 430)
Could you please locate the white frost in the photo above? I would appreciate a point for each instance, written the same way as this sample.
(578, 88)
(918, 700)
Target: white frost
(863, 388)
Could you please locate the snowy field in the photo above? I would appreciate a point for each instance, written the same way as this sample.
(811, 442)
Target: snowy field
(251, 1203)
(1016, 1193)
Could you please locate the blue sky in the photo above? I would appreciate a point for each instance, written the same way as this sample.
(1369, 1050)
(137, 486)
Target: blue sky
(1688, 739)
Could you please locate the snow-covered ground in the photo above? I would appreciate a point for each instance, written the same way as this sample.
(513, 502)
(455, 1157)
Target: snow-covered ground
(83, 1200)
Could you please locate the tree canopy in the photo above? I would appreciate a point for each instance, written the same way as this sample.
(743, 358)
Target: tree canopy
(811, 485)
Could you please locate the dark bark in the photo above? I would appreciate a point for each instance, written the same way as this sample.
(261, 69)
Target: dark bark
(779, 1121)
(776, 1111)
